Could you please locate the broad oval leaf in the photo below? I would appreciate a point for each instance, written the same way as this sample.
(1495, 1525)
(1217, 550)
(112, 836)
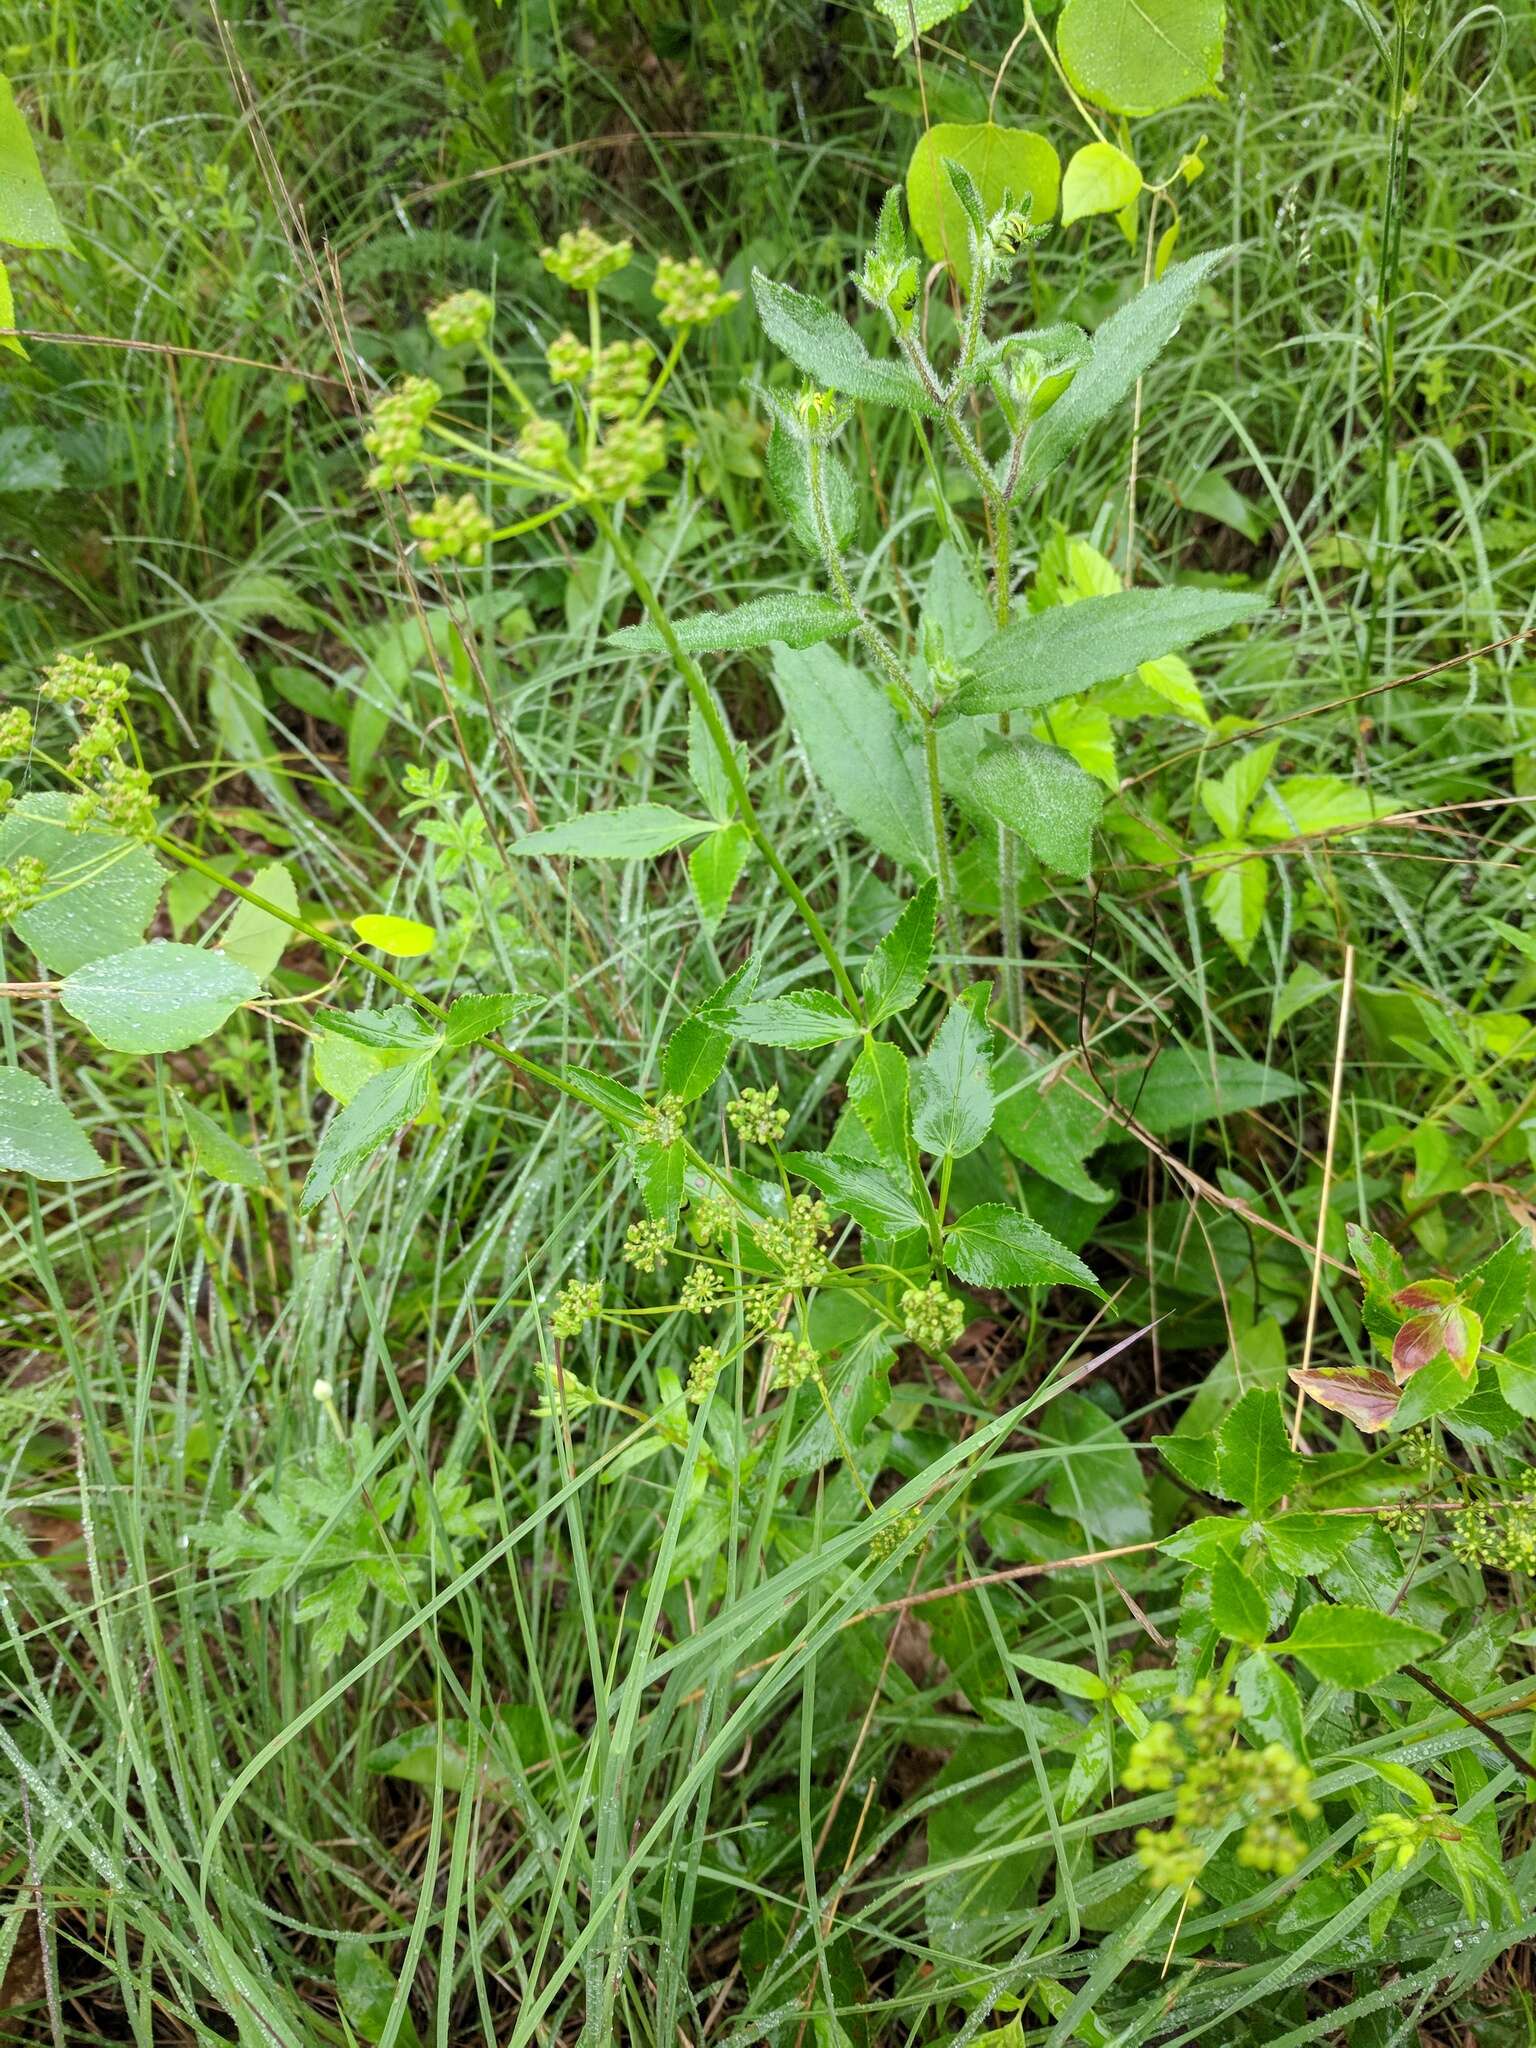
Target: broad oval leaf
(994, 1246)
(1057, 653)
(404, 937)
(797, 618)
(998, 159)
(161, 997)
(1365, 1396)
(218, 1154)
(1042, 794)
(1142, 58)
(255, 937)
(28, 216)
(820, 342)
(100, 892)
(634, 832)
(471, 1018)
(1099, 179)
(39, 1134)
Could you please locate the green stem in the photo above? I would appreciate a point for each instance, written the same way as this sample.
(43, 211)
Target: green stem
(703, 698)
(673, 356)
(1007, 843)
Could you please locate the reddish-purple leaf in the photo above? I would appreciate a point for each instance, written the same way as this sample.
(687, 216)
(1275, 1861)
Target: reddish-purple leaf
(1368, 1397)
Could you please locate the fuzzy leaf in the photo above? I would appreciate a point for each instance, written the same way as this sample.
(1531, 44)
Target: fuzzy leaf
(804, 1018)
(633, 832)
(822, 344)
(798, 619)
(1044, 656)
(100, 889)
(952, 1087)
(714, 869)
(859, 751)
(789, 483)
(1043, 795)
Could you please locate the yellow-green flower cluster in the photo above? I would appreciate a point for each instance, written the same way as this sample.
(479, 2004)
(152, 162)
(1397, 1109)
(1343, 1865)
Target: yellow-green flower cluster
(397, 424)
(542, 444)
(454, 530)
(632, 451)
(891, 1535)
(931, 1316)
(1503, 1542)
(620, 377)
(463, 317)
(795, 1360)
(712, 1220)
(120, 799)
(15, 731)
(646, 1245)
(21, 885)
(690, 292)
(794, 1243)
(576, 1305)
(700, 1292)
(1403, 1833)
(564, 1394)
(569, 360)
(97, 689)
(756, 1116)
(1216, 1776)
(583, 259)
(707, 1365)
(663, 1123)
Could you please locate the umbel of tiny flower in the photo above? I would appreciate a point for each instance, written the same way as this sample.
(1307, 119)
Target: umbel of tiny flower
(690, 293)
(1504, 1542)
(795, 1360)
(395, 430)
(663, 1123)
(620, 377)
(463, 317)
(542, 444)
(700, 1292)
(15, 731)
(455, 529)
(121, 799)
(575, 1306)
(569, 360)
(757, 1117)
(563, 1392)
(793, 1242)
(582, 258)
(631, 452)
(711, 1220)
(21, 885)
(98, 688)
(706, 1367)
(931, 1316)
(646, 1244)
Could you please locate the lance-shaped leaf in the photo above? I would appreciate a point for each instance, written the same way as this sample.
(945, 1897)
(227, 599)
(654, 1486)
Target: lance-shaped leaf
(1356, 1646)
(1140, 59)
(381, 1107)
(1057, 653)
(633, 832)
(1126, 346)
(895, 972)
(797, 618)
(1367, 1398)
(821, 343)
(952, 1087)
(805, 1018)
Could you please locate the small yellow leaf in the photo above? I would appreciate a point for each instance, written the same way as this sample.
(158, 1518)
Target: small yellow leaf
(402, 936)
(1166, 243)
(1099, 179)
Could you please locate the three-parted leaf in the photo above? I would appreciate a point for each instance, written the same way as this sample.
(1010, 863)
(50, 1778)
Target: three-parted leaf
(1056, 653)
(797, 618)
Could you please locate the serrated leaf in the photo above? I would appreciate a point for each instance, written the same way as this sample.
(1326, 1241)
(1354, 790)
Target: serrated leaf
(1099, 179)
(659, 1172)
(870, 1196)
(879, 1091)
(859, 751)
(1516, 1371)
(398, 1028)
(1502, 1285)
(822, 344)
(797, 618)
(161, 997)
(804, 1018)
(1196, 1459)
(994, 1246)
(1227, 797)
(952, 1087)
(621, 1105)
(1234, 897)
(998, 160)
(100, 889)
(1301, 1542)
(1435, 1390)
(1356, 1646)
(907, 17)
(632, 832)
(1256, 1462)
(1142, 58)
(1040, 793)
(895, 973)
(1044, 656)
(219, 1155)
(694, 1057)
(475, 1017)
(39, 1134)
(714, 869)
(28, 216)
(1238, 1608)
(380, 1107)
(1124, 348)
